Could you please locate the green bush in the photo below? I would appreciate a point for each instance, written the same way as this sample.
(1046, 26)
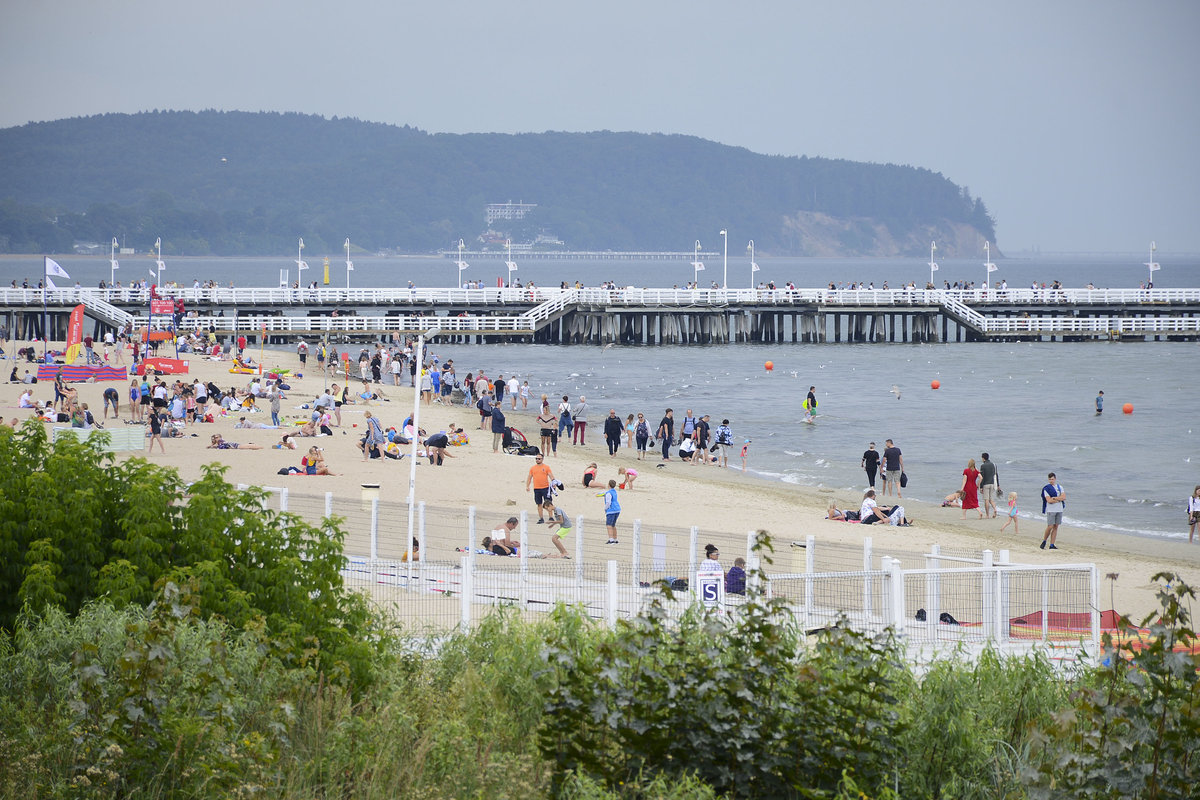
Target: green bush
(75, 526)
(738, 702)
(1132, 729)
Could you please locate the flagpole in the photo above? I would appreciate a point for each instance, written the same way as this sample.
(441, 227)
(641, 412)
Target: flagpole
(45, 313)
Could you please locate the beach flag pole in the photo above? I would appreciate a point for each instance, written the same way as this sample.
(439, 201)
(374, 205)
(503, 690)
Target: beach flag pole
(262, 344)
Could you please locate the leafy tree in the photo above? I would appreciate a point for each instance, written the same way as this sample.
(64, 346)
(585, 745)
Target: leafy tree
(76, 526)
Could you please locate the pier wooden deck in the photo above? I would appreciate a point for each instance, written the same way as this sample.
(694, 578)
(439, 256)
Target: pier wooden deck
(633, 316)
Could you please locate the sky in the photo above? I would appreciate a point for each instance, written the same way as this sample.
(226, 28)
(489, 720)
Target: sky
(1076, 121)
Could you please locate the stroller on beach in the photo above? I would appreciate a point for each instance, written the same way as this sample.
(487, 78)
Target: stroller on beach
(515, 444)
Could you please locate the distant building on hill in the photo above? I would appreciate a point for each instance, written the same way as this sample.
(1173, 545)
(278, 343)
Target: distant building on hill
(495, 211)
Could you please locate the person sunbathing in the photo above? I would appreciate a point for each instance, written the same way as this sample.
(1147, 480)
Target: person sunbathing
(218, 443)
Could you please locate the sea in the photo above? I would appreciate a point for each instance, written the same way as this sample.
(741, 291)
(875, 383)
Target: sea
(1030, 405)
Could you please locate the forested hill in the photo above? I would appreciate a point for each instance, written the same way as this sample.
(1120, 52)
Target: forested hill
(251, 183)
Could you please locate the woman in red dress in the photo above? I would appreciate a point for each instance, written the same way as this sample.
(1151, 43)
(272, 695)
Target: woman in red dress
(970, 489)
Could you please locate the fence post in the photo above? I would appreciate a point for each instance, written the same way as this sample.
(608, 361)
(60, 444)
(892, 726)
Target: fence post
(749, 544)
(578, 557)
(867, 577)
(637, 552)
(328, 505)
(693, 543)
(421, 552)
(523, 581)
(810, 558)
(612, 594)
(467, 590)
(897, 587)
(933, 592)
(1095, 577)
(283, 499)
(989, 611)
(1046, 604)
(374, 527)
(1003, 582)
(471, 530)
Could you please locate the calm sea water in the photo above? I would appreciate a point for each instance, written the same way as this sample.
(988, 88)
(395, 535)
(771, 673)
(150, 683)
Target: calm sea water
(1029, 405)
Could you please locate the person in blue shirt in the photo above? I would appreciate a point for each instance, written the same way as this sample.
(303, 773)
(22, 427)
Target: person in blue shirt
(1100, 403)
(1053, 503)
(612, 510)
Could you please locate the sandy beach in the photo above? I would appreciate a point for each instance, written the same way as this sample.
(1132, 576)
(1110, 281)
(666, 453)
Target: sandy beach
(677, 495)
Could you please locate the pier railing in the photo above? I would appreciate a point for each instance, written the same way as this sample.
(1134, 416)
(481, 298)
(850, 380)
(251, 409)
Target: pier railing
(527, 296)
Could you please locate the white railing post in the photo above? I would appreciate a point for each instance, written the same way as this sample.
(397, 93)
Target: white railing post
(468, 589)
(578, 557)
(523, 590)
(897, 592)
(374, 527)
(810, 557)
(637, 552)
(1003, 584)
(988, 575)
(421, 551)
(283, 499)
(1095, 606)
(611, 602)
(328, 505)
(750, 536)
(867, 578)
(693, 544)
(471, 530)
(1046, 604)
(933, 598)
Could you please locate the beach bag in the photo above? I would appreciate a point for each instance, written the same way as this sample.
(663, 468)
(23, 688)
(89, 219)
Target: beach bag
(903, 480)
(530, 450)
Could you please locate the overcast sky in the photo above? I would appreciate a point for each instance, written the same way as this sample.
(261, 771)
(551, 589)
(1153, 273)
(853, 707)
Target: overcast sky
(1077, 122)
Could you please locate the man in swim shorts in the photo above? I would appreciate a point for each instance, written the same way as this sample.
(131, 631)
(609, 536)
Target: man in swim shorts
(539, 477)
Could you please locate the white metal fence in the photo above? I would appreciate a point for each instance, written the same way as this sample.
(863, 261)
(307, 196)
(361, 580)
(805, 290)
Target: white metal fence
(944, 599)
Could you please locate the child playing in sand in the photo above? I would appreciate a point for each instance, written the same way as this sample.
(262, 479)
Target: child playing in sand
(954, 499)
(558, 518)
(628, 476)
(589, 474)
(1012, 513)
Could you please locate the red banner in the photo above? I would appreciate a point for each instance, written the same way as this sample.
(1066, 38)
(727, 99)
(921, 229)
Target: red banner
(74, 335)
(162, 306)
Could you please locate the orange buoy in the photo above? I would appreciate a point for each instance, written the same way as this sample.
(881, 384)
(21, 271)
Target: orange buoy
(935, 385)
(770, 365)
(1127, 408)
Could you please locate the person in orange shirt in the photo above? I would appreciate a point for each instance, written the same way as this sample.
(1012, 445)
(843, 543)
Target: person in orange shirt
(539, 477)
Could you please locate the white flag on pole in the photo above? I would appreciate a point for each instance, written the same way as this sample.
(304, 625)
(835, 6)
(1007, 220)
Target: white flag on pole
(512, 265)
(152, 275)
(753, 267)
(53, 268)
(992, 267)
(933, 267)
(50, 284)
(462, 265)
(349, 265)
(116, 264)
(160, 265)
(698, 266)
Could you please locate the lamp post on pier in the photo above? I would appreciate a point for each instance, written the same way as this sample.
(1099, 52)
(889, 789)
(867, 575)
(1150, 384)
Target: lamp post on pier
(697, 266)
(349, 263)
(461, 265)
(988, 265)
(753, 263)
(112, 260)
(725, 277)
(301, 265)
(158, 261)
(1152, 265)
(933, 267)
